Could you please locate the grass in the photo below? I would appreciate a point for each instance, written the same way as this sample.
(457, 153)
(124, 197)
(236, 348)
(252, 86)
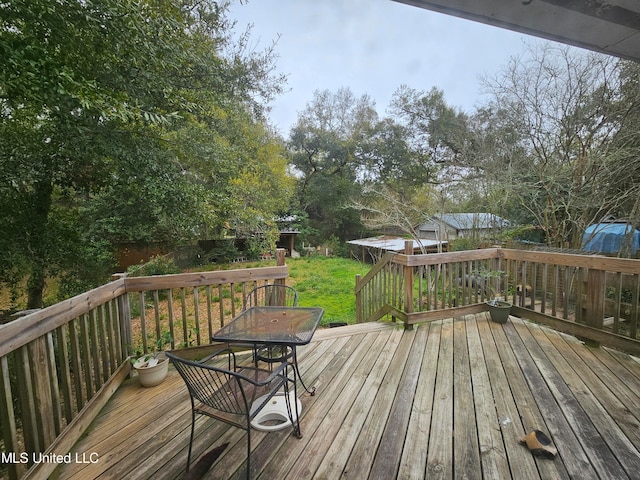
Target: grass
(326, 282)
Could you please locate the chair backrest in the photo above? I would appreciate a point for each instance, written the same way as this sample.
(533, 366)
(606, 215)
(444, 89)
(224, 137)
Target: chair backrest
(272, 295)
(216, 387)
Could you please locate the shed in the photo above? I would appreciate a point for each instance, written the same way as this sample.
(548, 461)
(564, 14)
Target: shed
(450, 226)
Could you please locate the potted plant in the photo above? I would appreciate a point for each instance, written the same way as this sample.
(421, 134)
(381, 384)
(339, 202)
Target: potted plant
(153, 367)
(499, 310)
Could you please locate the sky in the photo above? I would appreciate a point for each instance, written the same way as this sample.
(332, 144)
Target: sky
(373, 47)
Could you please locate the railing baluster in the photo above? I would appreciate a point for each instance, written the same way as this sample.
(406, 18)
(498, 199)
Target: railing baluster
(172, 331)
(185, 323)
(156, 311)
(7, 418)
(76, 364)
(209, 311)
(196, 314)
(65, 372)
(53, 402)
(221, 305)
(143, 322)
(86, 357)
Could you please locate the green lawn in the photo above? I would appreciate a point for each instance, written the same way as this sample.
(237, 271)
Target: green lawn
(326, 282)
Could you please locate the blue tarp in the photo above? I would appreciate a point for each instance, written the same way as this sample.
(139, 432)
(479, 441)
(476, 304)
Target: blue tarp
(611, 238)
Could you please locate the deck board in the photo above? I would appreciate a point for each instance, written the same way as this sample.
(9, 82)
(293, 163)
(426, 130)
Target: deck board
(449, 399)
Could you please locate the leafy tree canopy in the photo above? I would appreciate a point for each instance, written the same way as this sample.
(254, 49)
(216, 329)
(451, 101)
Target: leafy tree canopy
(126, 120)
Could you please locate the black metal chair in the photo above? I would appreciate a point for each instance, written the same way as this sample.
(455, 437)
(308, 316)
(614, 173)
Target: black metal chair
(271, 295)
(268, 296)
(234, 394)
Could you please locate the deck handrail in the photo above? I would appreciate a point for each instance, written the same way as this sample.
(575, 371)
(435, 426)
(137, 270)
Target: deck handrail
(60, 365)
(594, 297)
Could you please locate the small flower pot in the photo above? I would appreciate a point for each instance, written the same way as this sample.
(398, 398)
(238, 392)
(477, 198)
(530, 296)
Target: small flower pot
(152, 369)
(499, 310)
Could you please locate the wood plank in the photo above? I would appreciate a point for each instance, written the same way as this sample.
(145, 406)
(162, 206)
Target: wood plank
(366, 422)
(627, 385)
(7, 419)
(25, 329)
(594, 445)
(389, 454)
(413, 462)
(370, 438)
(516, 411)
(80, 423)
(490, 444)
(440, 453)
(605, 383)
(466, 451)
(201, 279)
(233, 463)
(339, 384)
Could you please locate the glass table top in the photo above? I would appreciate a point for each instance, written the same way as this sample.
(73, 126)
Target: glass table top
(275, 325)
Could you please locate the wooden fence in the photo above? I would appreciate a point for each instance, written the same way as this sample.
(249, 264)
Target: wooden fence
(593, 297)
(60, 365)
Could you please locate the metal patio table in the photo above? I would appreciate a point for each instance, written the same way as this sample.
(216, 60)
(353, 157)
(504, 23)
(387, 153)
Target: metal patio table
(290, 327)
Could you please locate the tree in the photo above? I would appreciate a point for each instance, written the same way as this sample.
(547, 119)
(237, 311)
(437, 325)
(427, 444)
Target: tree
(624, 174)
(409, 160)
(115, 120)
(564, 107)
(324, 146)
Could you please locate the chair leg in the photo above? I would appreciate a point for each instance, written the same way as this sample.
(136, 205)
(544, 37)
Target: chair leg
(248, 450)
(193, 424)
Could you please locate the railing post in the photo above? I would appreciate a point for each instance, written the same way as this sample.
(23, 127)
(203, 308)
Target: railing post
(594, 298)
(408, 283)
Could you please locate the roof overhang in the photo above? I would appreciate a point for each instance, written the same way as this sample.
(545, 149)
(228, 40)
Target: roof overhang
(606, 26)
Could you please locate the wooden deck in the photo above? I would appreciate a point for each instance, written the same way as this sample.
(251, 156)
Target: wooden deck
(447, 400)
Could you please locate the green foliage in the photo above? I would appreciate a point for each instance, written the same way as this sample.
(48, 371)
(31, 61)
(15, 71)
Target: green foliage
(324, 147)
(460, 244)
(157, 265)
(127, 121)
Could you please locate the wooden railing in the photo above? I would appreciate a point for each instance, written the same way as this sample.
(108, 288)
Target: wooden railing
(593, 297)
(60, 365)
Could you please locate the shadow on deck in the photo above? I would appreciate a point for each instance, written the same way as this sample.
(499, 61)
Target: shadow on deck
(447, 400)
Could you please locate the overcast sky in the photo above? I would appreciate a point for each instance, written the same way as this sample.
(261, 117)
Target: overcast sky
(373, 47)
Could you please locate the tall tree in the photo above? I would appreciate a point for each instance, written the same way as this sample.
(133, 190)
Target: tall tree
(564, 107)
(324, 148)
(115, 120)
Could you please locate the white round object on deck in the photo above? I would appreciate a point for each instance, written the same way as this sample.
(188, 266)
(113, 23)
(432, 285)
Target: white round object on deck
(274, 415)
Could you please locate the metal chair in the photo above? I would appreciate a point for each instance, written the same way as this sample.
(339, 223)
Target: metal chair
(268, 296)
(271, 295)
(234, 394)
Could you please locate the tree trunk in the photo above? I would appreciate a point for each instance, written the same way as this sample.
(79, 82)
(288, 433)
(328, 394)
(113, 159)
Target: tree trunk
(38, 245)
(35, 286)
